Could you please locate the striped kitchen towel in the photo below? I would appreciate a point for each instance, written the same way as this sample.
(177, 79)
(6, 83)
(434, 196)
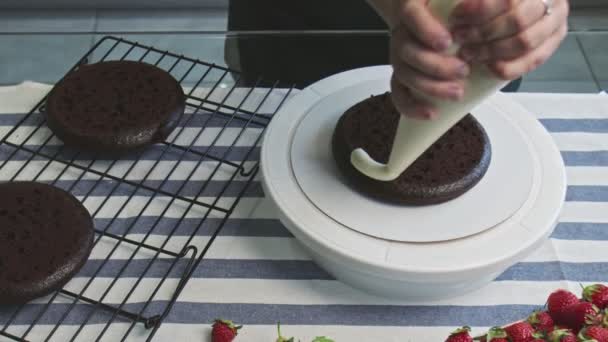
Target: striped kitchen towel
(257, 274)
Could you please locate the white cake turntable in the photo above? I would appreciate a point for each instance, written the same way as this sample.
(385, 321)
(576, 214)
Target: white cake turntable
(426, 252)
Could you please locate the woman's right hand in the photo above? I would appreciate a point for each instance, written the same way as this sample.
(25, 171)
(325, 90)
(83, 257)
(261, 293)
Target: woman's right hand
(417, 46)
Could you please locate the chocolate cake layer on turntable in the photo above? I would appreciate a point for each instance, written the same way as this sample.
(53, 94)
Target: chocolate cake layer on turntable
(450, 167)
(46, 236)
(115, 107)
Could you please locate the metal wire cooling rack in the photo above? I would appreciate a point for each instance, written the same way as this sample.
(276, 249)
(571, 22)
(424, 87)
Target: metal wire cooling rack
(190, 182)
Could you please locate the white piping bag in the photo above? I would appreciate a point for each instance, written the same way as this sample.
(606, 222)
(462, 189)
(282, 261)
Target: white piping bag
(414, 136)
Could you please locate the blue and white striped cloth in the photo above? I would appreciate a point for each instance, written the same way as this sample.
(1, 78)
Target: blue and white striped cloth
(257, 274)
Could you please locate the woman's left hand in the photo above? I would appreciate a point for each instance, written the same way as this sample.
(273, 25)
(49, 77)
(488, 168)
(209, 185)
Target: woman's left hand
(512, 37)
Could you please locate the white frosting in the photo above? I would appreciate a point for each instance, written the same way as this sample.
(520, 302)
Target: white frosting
(415, 136)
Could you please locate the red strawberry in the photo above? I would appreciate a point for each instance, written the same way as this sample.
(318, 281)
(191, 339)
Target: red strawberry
(581, 314)
(541, 321)
(596, 294)
(593, 333)
(561, 335)
(520, 332)
(557, 302)
(224, 331)
(460, 335)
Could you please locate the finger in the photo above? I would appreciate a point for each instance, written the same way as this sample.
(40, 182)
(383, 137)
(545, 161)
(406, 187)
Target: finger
(517, 19)
(427, 61)
(520, 44)
(416, 16)
(408, 105)
(480, 11)
(416, 80)
(510, 70)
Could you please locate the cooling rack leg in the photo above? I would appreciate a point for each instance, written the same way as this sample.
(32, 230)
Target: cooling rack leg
(149, 322)
(182, 283)
(251, 171)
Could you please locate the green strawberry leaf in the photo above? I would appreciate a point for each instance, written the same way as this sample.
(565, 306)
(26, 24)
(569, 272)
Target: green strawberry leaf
(322, 339)
(533, 318)
(281, 338)
(496, 332)
(582, 336)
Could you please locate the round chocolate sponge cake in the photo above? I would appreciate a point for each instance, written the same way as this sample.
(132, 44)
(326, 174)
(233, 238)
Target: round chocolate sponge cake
(115, 107)
(451, 166)
(46, 236)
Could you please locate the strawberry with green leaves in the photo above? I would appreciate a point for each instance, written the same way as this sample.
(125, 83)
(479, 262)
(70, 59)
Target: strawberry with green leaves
(596, 294)
(520, 332)
(224, 331)
(562, 335)
(460, 335)
(581, 314)
(495, 334)
(541, 321)
(593, 334)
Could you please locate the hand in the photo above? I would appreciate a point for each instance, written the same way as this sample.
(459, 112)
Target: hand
(512, 37)
(416, 53)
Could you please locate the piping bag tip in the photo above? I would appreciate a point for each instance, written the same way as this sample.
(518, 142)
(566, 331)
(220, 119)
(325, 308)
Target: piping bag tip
(362, 161)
